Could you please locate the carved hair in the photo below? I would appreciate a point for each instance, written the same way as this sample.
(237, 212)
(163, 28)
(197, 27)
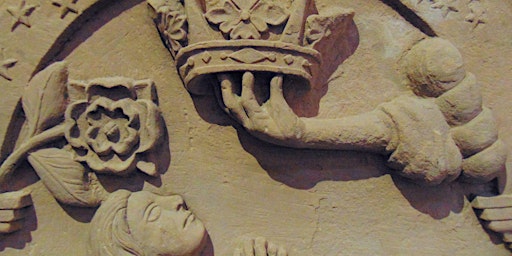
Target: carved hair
(110, 234)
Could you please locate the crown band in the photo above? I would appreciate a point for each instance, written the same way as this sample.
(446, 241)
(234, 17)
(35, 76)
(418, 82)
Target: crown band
(198, 61)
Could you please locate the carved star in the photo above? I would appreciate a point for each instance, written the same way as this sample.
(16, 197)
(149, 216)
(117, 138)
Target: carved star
(5, 64)
(66, 6)
(20, 14)
(446, 6)
(477, 15)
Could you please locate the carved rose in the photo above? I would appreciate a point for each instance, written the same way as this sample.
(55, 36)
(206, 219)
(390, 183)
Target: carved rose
(246, 22)
(112, 123)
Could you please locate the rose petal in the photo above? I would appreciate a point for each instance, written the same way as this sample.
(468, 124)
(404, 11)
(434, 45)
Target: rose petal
(114, 165)
(102, 102)
(128, 140)
(101, 145)
(148, 168)
(127, 106)
(245, 31)
(222, 14)
(110, 87)
(151, 126)
(176, 31)
(73, 134)
(92, 132)
(74, 110)
(271, 13)
(259, 23)
(229, 25)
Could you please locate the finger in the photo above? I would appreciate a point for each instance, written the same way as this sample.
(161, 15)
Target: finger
(272, 249)
(229, 98)
(260, 246)
(15, 200)
(9, 227)
(249, 101)
(500, 201)
(249, 247)
(497, 214)
(231, 101)
(12, 215)
(500, 226)
(276, 90)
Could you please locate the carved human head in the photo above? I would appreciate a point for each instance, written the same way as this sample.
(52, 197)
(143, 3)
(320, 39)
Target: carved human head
(144, 223)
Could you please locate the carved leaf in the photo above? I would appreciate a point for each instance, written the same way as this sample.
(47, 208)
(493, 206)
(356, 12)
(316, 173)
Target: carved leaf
(44, 98)
(66, 179)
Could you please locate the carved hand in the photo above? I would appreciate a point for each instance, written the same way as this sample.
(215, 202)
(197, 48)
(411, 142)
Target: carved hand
(259, 247)
(497, 213)
(273, 121)
(13, 209)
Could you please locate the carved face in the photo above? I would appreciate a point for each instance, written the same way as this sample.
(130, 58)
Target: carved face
(163, 225)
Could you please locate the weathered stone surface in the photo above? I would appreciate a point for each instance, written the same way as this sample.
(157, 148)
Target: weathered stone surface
(316, 169)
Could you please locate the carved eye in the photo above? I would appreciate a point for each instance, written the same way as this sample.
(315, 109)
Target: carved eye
(153, 212)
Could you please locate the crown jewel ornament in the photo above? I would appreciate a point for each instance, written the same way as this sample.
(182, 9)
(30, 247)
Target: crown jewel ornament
(209, 37)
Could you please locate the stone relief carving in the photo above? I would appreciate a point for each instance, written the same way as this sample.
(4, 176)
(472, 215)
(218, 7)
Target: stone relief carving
(110, 123)
(474, 12)
(21, 13)
(243, 60)
(440, 134)
(13, 210)
(111, 126)
(66, 6)
(143, 223)
(477, 14)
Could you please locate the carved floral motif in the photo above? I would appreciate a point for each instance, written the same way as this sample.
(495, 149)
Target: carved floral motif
(66, 6)
(111, 124)
(246, 22)
(477, 14)
(172, 21)
(111, 131)
(21, 13)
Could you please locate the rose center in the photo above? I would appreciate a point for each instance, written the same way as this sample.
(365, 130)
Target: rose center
(112, 131)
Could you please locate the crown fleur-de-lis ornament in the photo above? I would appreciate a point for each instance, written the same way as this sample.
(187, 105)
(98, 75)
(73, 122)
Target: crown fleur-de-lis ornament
(208, 38)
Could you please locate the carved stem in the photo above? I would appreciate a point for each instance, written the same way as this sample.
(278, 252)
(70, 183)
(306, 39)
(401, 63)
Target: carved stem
(11, 163)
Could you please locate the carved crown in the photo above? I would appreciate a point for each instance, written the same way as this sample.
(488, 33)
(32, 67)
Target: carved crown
(206, 37)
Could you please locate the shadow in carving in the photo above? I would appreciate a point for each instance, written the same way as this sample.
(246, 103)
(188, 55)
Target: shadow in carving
(77, 136)
(13, 132)
(411, 17)
(439, 133)
(438, 202)
(303, 169)
(19, 239)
